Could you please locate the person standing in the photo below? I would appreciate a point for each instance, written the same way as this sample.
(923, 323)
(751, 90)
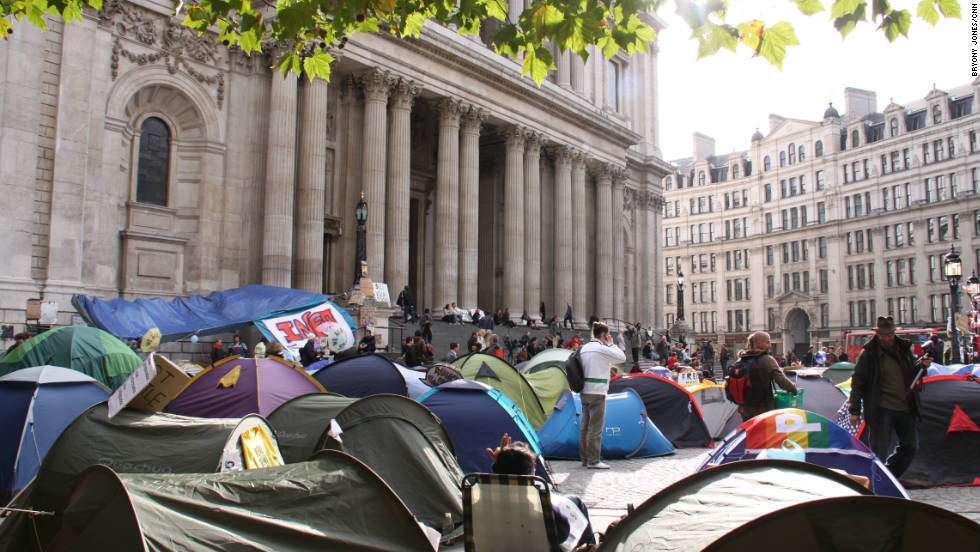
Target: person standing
(407, 302)
(884, 383)
(769, 373)
(634, 337)
(724, 357)
(663, 350)
(569, 320)
(598, 356)
(237, 347)
(427, 326)
(217, 351)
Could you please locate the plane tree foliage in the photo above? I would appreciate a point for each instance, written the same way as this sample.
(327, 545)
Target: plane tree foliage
(307, 34)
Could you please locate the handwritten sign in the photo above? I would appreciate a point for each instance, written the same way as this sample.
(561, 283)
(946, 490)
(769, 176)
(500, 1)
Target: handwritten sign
(150, 387)
(381, 293)
(367, 287)
(291, 330)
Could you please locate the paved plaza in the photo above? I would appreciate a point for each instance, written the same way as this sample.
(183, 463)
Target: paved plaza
(607, 492)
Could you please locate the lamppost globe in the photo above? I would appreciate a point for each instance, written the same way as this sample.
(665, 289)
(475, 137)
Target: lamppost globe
(361, 211)
(953, 269)
(680, 278)
(973, 285)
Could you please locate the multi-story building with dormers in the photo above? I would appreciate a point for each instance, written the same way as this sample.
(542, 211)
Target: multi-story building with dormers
(820, 226)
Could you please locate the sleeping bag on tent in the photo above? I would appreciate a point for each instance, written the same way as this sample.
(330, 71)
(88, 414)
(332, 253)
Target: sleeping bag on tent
(476, 416)
(628, 432)
(669, 406)
(949, 434)
(800, 435)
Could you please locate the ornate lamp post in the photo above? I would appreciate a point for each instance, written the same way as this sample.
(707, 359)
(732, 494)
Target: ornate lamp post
(953, 268)
(680, 295)
(361, 215)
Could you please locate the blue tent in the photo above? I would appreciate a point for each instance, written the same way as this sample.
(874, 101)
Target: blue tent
(629, 433)
(476, 416)
(36, 404)
(361, 376)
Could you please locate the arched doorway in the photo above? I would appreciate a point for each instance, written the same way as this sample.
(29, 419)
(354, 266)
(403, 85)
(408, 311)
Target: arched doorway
(796, 332)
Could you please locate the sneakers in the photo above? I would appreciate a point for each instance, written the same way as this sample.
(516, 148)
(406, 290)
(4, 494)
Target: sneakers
(598, 466)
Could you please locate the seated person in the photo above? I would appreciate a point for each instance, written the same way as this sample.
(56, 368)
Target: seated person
(448, 315)
(517, 458)
(368, 343)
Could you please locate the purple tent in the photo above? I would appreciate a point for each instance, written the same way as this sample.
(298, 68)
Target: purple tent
(235, 387)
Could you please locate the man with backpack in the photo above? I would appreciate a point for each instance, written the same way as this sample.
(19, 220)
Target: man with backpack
(750, 379)
(598, 357)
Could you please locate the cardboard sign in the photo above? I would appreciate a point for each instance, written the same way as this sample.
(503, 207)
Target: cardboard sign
(369, 316)
(367, 287)
(150, 387)
(381, 293)
(688, 378)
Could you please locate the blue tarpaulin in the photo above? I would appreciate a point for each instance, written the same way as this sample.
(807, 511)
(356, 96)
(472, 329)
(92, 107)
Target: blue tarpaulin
(219, 312)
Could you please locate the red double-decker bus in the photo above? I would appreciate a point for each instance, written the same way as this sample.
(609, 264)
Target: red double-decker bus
(855, 340)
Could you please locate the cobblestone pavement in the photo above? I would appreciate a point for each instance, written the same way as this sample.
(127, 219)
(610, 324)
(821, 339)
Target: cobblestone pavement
(607, 492)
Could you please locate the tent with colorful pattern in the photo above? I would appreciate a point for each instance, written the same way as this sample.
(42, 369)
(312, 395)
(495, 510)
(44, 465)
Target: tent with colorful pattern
(801, 434)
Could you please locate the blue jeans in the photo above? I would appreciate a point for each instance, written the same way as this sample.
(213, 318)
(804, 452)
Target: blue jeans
(880, 435)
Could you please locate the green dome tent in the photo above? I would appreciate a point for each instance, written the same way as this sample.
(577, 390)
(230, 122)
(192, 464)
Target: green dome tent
(90, 351)
(500, 375)
(546, 374)
(332, 502)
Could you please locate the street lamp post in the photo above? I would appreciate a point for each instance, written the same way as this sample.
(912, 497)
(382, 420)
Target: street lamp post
(361, 215)
(680, 294)
(953, 268)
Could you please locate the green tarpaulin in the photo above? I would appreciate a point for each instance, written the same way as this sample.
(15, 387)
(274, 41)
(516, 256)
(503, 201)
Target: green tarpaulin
(90, 351)
(332, 502)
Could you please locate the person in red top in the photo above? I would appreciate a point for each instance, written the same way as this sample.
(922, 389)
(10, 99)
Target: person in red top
(495, 349)
(574, 343)
(671, 362)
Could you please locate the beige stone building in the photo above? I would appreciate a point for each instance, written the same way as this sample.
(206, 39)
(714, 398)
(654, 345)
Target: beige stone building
(137, 159)
(820, 226)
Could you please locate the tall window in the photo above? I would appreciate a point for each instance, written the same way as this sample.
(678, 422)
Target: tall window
(818, 148)
(855, 139)
(766, 163)
(792, 153)
(782, 159)
(937, 114)
(768, 192)
(820, 183)
(802, 152)
(154, 162)
(613, 85)
(821, 212)
(893, 127)
(701, 178)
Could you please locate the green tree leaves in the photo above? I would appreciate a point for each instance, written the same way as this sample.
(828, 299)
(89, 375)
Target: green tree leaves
(307, 30)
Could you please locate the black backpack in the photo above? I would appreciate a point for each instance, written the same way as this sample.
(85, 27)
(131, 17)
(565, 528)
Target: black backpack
(744, 383)
(575, 372)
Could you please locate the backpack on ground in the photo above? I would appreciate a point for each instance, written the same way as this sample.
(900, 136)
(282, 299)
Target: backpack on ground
(575, 372)
(744, 383)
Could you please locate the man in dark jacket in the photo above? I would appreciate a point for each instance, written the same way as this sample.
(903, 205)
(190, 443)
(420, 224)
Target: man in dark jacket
(883, 382)
(307, 354)
(663, 350)
(769, 373)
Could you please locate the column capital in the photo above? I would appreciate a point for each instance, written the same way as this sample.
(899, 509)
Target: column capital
(403, 93)
(376, 84)
(561, 152)
(532, 142)
(578, 159)
(515, 135)
(449, 110)
(601, 169)
(472, 118)
(351, 88)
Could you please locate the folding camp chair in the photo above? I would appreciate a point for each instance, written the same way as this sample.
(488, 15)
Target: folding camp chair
(508, 512)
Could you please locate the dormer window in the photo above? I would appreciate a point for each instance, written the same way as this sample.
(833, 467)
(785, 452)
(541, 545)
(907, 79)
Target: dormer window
(893, 127)
(937, 114)
(855, 138)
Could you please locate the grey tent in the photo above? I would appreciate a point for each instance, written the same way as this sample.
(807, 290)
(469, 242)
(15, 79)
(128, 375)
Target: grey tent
(133, 442)
(701, 508)
(300, 421)
(397, 437)
(856, 523)
(332, 502)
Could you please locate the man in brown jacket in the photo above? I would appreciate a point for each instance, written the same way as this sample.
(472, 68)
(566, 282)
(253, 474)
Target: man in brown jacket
(769, 372)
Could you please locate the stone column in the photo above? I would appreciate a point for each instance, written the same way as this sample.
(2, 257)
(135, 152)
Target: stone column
(376, 85)
(605, 238)
(532, 225)
(564, 69)
(579, 237)
(469, 206)
(650, 248)
(513, 281)
(398, 196)
(311, 188)
(618, 257)
(563, 229)
(280, 175)
(514, 9)
(577, 73)
(446, 262)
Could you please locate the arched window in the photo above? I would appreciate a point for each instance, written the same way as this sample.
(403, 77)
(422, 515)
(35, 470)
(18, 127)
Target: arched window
(937, 114)
(766, 163)
(153, 173)
(855, 139)
(818, 148)
(701, 178)
(802, 154)
(792, 153)
(782, 159)
(893, 127)
(734, 170)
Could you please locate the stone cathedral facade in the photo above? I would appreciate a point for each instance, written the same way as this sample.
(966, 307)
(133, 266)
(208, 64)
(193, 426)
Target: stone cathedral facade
(140, 160)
